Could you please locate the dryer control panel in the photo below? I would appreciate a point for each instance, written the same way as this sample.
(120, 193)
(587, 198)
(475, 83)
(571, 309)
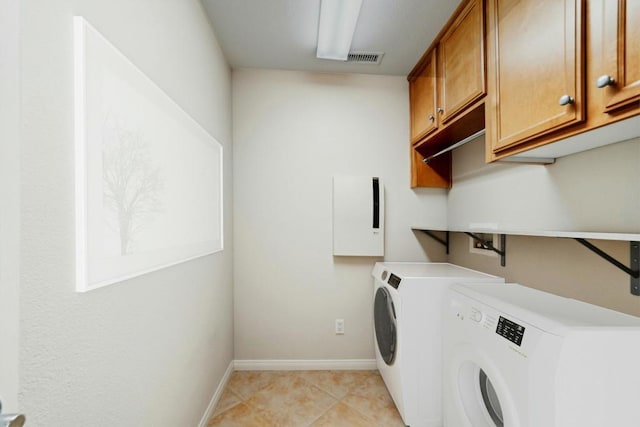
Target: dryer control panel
(510, 330)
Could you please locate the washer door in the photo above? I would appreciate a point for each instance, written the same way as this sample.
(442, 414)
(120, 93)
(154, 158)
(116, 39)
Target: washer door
(480, 399)
(490, 399)
(384, 315)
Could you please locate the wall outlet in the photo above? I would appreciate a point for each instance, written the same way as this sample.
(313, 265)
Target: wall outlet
(339, 326)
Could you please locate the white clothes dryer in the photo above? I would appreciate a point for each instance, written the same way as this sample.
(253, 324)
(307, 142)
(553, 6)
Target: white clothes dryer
(408, 301)
(519, 357)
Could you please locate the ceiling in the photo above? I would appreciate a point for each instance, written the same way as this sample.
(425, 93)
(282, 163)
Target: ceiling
(281, 34)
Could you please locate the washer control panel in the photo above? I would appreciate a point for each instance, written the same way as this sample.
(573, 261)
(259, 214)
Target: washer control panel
(510, 330)
(394, 280)
(475, 315)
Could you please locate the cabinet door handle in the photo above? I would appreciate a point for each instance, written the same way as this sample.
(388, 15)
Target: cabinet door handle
(566, 100)
(439, 110)
(605, 80)
(432, 117)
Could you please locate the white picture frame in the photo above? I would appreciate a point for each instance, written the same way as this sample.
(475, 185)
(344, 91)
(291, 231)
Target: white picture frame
(148, 176)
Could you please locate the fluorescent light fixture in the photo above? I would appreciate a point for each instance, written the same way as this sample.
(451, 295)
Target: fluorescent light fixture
(338, 20)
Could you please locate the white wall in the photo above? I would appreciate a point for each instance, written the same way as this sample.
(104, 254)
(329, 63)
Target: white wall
(150, 351)
(596, 190)
(292, 132)
(10, 206)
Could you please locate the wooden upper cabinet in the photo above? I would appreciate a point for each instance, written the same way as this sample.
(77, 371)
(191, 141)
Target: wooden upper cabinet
(446, 94)
(620, 81)
(422, 99)
(461, 56)
(592, 46)
(535, 69)
(449, 79)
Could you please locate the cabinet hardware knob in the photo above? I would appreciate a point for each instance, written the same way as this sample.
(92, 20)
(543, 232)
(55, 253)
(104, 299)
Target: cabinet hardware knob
(605, 80)
(439, 110)
(11, 420)
(432, 117)
(566, 100)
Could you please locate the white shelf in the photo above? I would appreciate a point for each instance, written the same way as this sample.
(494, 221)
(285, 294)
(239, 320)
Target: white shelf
(626, 237)
(581, 237)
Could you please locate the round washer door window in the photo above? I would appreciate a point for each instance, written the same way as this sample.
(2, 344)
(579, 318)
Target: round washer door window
(490, 399)
(478, 396)
(385, 325)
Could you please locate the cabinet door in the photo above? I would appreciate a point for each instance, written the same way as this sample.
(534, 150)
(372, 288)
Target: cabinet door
(422, 99)
(461, 55)
(535, 69)
(621, 50)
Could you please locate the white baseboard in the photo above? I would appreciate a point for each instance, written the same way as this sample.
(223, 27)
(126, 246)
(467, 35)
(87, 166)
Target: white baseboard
(304, 365)
(216, 396)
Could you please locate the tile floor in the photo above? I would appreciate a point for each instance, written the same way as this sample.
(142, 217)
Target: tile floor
(305, 399)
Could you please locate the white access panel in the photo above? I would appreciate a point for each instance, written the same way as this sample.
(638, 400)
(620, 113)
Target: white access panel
(358, 216)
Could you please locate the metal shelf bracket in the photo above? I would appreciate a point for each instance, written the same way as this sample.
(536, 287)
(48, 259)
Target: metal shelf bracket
(503, 246)
(444, 241)
(634, 256)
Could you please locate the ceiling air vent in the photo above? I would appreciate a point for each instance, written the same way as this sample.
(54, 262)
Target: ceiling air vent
(365, 57)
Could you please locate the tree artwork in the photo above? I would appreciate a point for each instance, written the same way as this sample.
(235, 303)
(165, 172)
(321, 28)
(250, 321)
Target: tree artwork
(132, 185)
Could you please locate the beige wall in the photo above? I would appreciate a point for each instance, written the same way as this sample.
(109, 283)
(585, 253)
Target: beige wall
(596, 190)
(150, 351)
(560, 266)
(292, 132)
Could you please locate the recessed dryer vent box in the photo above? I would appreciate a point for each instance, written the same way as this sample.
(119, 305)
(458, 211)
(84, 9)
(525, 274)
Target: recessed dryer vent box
(475, 247)
(358, 216)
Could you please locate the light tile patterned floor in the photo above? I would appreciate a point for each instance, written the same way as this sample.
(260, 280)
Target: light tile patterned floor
(305, 399)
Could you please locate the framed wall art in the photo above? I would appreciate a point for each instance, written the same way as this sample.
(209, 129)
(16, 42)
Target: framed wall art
(148, 176)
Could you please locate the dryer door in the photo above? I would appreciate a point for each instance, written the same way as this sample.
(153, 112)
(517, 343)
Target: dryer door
(384, 316)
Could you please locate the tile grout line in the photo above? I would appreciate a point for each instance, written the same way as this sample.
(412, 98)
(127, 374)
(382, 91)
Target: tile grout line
(357, 385)
(235, 404)
(322, 414)
(309, 381)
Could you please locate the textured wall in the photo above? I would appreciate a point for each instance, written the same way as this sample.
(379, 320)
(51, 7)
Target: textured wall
(150, 351)
(10, 205)
(292, 132)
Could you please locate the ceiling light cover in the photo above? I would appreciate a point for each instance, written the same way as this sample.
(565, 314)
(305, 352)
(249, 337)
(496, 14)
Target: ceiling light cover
(338, 20)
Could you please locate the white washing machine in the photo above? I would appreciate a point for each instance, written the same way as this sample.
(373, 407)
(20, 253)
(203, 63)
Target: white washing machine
(519, 357)
(408, 300)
